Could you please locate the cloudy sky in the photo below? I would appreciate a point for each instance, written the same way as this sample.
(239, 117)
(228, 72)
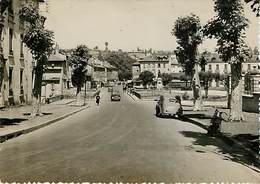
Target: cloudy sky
(128, 24)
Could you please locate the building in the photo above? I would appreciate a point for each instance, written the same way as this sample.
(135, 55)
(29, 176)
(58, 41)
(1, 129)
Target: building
(216, 65)
(56, 78)
(101, 71)
(16, 63)
(157, 64)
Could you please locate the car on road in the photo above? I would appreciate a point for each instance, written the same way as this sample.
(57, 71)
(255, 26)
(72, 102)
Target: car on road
(115, 96)
(168, 106)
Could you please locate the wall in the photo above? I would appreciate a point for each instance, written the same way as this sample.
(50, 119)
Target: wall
(16, 61)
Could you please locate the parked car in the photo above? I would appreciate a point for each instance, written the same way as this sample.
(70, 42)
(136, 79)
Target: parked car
(168, 106)
(115, 96)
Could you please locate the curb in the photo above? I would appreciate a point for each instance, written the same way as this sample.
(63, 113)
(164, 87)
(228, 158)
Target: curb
(15, 134)
(229, 140)
(131, 96)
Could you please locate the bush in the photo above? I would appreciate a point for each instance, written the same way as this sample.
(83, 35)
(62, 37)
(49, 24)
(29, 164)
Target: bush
(185, 96)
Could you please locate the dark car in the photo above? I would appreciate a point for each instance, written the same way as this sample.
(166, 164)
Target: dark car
(168, 106)
(115, 96)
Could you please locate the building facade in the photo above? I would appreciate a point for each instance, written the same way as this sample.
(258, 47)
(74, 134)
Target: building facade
(157, 64)
(56, 78)
(101, 71)
(16, 63)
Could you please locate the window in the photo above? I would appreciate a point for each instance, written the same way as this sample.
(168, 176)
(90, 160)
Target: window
(21, 77)
(164, 66)
(248, 67)
(225, 68)
(159, 65)
(10, 78)
(217, 68)
(21, 45)
(21, 81)
(210, 67)
(10, 41)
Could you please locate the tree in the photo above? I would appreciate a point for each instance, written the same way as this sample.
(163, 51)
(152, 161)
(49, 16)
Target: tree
(147, 77)
(78, 62)
(122, 61)
(106, 44)
(255, 6)
(166, 78)
(228, 27)
(188, 35)
(203, 60)
(206, 78)
(40, 42)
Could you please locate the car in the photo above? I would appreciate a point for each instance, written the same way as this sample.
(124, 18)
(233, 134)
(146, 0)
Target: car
(168, 106)
(115, 96)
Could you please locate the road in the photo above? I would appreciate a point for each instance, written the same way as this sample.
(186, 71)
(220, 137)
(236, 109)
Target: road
(120, 142)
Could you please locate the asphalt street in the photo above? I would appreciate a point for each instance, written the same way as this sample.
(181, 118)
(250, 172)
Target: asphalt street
(120, 142)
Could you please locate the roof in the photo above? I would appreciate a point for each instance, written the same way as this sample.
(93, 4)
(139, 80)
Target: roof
(57, 57)
(155, 58)
(214, 58)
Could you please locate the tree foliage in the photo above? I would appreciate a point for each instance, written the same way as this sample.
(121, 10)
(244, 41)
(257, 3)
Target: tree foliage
(146, 77)
(228, 27)
(122, 61)
(78, 62)
(37, 39)
(4, 4)
(166, 78)
(188, 35)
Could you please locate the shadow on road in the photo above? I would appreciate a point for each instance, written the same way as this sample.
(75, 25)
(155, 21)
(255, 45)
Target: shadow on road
(230, 151)
(9, 122)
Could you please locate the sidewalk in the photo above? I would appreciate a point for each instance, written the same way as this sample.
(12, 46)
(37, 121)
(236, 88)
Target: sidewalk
(15, 121)
(244, 134)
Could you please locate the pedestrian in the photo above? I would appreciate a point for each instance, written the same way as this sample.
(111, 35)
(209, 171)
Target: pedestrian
(97, 99)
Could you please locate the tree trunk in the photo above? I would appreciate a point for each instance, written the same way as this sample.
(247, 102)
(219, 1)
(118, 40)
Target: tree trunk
(78, 95)
(206, 92)
(37, 89)
(198, 105)
(236, 93)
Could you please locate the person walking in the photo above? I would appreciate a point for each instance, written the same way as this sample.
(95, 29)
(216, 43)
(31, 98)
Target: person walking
(97, 99)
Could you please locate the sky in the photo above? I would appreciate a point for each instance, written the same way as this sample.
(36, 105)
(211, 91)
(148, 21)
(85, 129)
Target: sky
(128, 24)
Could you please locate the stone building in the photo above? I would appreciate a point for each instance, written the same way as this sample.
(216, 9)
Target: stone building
(157, 64)
(16, 63)
(56, 78)
(101, 71)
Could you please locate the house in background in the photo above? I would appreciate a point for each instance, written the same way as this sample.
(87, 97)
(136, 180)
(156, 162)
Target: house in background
(157, 64)
(56, 78)
(102, 72)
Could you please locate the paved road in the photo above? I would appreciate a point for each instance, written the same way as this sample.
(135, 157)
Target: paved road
(119, 141)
